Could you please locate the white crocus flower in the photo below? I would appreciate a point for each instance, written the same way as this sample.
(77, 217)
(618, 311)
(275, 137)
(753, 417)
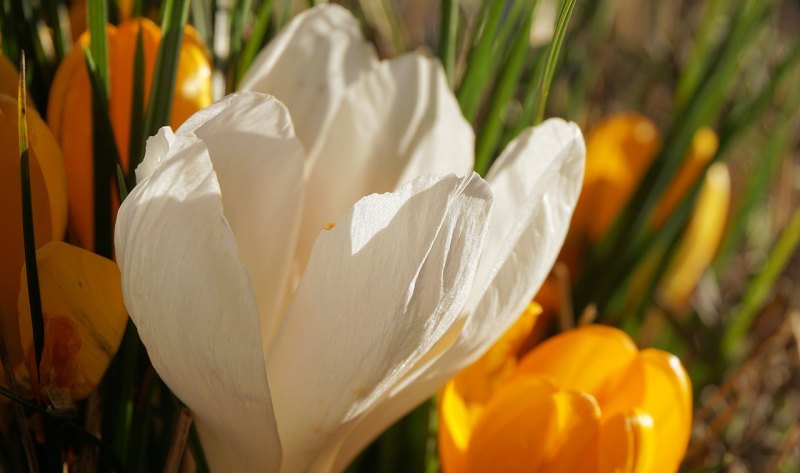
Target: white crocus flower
(295, 345)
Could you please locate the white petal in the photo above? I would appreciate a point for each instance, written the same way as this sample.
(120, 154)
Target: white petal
(535, 183)
(259, 164)
(395, 124)
(191, 300)
(381, 288)
(309, 65)
(155, 149)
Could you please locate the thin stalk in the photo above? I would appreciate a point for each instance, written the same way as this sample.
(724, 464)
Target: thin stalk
(761, 286)
(31, 265)
(552, 57)
(448, 37)
(174, 14)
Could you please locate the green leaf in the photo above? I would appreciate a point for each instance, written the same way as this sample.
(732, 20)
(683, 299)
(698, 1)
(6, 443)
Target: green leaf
(174, 14)
(136, 139)
(701, 50)
(239, 18)
(106, 156)
(552, 57)
(32, 267)
(203, 20)
(492, 125)
(258, 37)
(470, 91)
(759, 289)
(97, 19)
(448, 36)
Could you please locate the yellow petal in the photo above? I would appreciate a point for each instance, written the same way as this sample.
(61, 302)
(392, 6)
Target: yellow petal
(456, 421)
(704, 146)
(84, 318)
(626, 443)
(581, 359)
(618, 151)
(69, 106)
(656, 383)
(701, 240)
(478, 382)
(530, 426)
(49, 199)
(8, 77)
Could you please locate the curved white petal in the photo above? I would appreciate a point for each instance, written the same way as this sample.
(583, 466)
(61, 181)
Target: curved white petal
(381, 289)
(259, 164)
(309, 65)
(393, 125)
(191, 300)
(157, 147)
(535, 183)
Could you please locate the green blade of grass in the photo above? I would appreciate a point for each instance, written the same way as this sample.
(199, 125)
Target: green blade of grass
(552, 57)
(746, 114)
(470, 91)
(106, 156)
(174, 14)
(136, 138)
(32, 268)
(203, 20)
(97, 14)
(701, 50)
(258, 37)
(492, 125)
(759, 289)
(121, 184)
(529, 99)
(448, 36)
(779, 141)
(239, 18)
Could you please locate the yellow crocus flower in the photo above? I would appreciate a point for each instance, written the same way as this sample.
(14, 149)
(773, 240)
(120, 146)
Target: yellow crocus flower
(84, 320)
(69, 110)
(586, 400)
(48, 196)
(701, 240)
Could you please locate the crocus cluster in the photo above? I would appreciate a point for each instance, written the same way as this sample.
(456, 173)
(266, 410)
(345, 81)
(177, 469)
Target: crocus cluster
(84, 315)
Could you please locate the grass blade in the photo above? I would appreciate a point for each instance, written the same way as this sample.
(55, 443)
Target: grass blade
(258, 37)
(32, 268)
(175, 14)
(448, 37)
(552, 57)
(106, 156)
(239, 19)
(97, 19)
(137, 139)
(470, 91)
(761, 286)
(492, 125)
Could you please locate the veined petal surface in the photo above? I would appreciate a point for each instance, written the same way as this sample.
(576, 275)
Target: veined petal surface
(537, 180)
(394, 124)
(191, 299)
(309, 65)
(259, 164)
(380, 290)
